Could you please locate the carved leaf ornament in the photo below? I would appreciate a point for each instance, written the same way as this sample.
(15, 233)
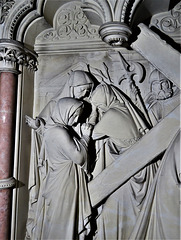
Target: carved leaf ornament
(16, 56)
(172, 22)
(168, 22)
(71, 23)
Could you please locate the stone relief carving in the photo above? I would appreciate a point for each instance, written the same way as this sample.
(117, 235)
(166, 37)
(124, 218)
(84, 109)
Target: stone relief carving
(169, 22)
(5, 6)
(163, 94)
(69, 168)
(107, 110)
(70, 22)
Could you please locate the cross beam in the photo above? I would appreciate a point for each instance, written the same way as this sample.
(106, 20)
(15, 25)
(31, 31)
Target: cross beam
(160, 54)
(136, 158)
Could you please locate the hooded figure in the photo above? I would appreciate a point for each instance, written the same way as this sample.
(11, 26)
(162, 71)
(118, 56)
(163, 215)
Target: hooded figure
(66, 206)
(80, 85)
(119, 127)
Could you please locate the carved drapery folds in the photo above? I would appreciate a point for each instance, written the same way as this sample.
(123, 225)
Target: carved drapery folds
(117, 18)
(169, 22)
(13, 54)
(5, 6)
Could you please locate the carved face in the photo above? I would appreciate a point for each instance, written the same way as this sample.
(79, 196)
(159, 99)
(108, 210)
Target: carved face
(162, 89)
(66, 111)
(82, 91)
(75, 117)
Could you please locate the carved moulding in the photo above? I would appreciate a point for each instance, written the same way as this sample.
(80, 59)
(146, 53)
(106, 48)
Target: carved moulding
(71, 30)
(117, 18)
(15, 16)
(115, 33)
(7, 183)
(13, 54)
(5, 6)
(70, 23)
(169, 22)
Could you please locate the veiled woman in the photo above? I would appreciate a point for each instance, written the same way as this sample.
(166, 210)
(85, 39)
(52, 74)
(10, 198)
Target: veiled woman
(119, 127)
(66, 201)
(80, 86)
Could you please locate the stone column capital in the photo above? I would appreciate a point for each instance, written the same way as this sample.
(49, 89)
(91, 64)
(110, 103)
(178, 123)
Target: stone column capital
(13, 54)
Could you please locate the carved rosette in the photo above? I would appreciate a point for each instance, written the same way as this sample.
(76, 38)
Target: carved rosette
(13, 54)
(5, 6)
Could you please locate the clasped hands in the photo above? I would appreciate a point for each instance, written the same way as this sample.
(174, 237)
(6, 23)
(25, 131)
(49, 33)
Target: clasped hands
(86, 129)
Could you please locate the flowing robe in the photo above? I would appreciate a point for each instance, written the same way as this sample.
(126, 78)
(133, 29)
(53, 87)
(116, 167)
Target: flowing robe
(37, 166)
(120, 126)
(66, 205)
(160, 215)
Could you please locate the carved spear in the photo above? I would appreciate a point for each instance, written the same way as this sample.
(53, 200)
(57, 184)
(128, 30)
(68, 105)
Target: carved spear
(129, 74)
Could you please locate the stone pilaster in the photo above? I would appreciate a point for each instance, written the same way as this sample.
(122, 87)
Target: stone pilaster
(12, 55)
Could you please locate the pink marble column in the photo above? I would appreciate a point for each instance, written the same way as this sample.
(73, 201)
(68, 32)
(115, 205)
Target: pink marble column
(8, 92)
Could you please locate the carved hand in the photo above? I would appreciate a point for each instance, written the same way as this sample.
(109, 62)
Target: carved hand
(134, 92)
(31, 122)
(86, 129)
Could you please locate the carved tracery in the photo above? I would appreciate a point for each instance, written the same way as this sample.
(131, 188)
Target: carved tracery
(70, 23)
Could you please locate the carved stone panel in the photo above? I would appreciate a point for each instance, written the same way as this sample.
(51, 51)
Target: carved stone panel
(169, 22)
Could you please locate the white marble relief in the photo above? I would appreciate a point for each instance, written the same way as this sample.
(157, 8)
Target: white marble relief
(115, 124)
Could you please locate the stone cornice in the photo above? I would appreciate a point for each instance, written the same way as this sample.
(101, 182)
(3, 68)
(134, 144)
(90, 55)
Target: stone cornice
(13, 54)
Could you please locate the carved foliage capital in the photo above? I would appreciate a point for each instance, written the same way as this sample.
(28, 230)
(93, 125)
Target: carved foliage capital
(14, 54)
